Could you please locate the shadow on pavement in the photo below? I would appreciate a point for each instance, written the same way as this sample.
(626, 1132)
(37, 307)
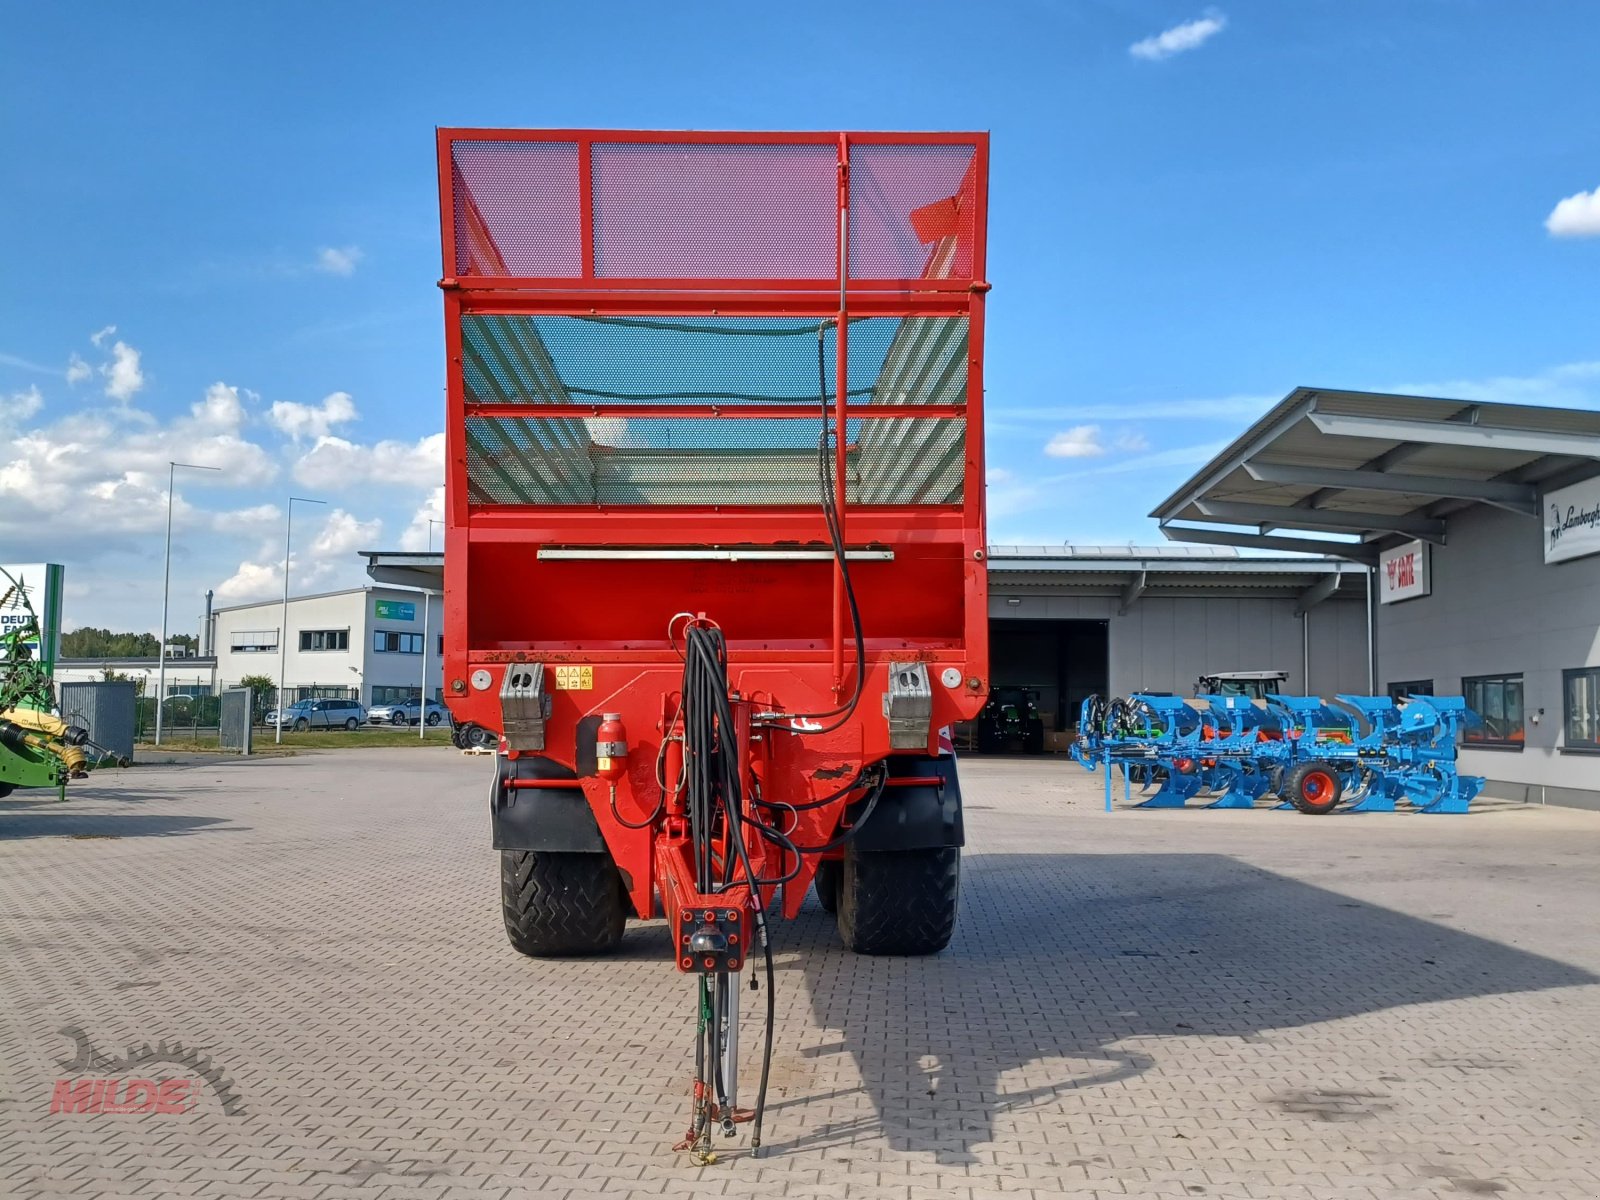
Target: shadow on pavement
(30, 819)
(1059, 957)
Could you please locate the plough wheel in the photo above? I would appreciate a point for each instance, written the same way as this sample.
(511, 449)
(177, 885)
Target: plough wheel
(1314, 788)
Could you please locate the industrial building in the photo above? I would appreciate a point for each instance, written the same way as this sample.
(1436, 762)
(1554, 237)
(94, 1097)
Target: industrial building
(1481, 523)
(1068, 621)
(372, 644)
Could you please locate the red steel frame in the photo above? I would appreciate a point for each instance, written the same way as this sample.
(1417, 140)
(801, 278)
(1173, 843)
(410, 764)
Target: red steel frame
(639, 678)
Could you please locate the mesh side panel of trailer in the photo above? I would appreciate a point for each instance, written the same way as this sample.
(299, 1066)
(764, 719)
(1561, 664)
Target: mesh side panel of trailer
(596, 364)
(516, 209)
(697, 210)
(708, 461)
(709, 360)
(690, 211)
(912, 211)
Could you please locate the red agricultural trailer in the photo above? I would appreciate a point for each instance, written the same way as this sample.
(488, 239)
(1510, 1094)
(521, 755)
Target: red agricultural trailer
(715, 539)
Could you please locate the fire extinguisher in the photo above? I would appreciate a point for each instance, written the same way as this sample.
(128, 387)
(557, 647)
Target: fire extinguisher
(611, 750)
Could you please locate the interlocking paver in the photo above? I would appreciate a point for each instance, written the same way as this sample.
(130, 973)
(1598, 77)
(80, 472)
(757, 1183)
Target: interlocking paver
(1142, 1004)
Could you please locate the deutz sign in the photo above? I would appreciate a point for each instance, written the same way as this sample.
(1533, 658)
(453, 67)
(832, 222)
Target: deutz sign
(1572, 521)
(41, 582)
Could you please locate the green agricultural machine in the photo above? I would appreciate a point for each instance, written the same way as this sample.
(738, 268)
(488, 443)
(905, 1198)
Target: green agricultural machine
(37, 748)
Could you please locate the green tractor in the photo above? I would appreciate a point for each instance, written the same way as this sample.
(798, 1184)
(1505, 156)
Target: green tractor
(1010, 717)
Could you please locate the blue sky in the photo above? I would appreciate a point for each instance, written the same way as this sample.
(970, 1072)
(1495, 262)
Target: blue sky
(1347, 193)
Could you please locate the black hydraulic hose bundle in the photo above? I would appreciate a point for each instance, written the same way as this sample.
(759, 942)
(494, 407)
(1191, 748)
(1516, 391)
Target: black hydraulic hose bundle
(714, 797)
(715, 802)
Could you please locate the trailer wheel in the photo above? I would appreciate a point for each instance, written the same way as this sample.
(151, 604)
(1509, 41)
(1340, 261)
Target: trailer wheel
(826, 884)
(899, 901)
(6, 789)
(1314, 788)
(560, 904)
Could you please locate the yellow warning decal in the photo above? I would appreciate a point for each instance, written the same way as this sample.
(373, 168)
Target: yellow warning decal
(574, 679)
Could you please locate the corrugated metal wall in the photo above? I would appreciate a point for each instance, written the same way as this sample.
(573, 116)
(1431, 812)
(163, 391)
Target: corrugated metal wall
(106, 710)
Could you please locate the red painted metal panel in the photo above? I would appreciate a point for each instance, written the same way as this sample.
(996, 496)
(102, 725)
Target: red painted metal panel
(675, 227)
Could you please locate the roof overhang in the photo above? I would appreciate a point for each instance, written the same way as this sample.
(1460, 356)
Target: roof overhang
(1361, 467)
(421, 569)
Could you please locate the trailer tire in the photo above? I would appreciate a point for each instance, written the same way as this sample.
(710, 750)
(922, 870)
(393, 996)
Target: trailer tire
(826, 884)
(6, 789)
(559, 905)
(899, 901)
(1314, 788)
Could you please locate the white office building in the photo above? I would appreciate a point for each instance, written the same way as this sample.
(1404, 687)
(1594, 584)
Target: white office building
(372, 644)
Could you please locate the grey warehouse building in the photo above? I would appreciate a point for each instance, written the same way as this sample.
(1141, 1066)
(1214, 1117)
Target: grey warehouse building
(1481, 523)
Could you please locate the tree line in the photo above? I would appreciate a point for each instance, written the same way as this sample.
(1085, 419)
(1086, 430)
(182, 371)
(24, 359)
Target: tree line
(90, 642)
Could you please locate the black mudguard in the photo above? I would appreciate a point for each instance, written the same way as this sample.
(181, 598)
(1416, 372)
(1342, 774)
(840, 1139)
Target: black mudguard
(552, 819)
(916, 818)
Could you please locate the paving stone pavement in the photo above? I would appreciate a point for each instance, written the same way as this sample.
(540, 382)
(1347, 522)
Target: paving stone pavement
(1140, 1004)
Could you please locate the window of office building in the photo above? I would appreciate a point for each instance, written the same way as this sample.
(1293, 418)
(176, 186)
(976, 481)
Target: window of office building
(249, 641)
(1498, 700)
(1580, 708)
(1410, 687)
(386, 642)
(324, 639)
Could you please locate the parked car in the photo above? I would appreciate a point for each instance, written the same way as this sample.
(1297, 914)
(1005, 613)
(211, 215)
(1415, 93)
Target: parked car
(319, 714)
(407, 712)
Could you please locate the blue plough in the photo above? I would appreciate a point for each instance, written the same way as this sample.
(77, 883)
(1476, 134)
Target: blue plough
(1364, 753)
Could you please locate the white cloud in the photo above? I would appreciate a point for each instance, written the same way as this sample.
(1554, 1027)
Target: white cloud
(252, 581)
(1576, 216)
(1131, 440)
(1190, 35)
(98, 475)
(427, 524)
(338, 260)
(20, 406)
(78, 370)
(102, 335)
(312, 420)
(1178, 456)
(258, 520)
(123, 376)
(335, 463)
(342, 535)
(25, 364)
(1081, 441)
(329, 555)
(220, 410)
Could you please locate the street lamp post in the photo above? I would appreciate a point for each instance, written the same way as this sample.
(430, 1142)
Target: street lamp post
(422, 708)
(283, 632)
(166, 589)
